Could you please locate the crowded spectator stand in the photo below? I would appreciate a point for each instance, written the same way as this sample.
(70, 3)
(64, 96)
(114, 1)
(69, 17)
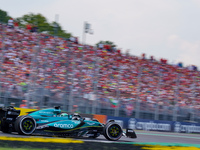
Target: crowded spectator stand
(49, 70)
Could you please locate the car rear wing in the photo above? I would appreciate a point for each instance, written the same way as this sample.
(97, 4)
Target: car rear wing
(8, 112)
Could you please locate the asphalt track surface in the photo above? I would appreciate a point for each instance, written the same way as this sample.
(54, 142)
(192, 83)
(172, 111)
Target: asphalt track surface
(143, 137)
(158, 137)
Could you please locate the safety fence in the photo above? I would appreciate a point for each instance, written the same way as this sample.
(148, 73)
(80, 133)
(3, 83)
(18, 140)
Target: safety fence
(93, 81)
(140, 111)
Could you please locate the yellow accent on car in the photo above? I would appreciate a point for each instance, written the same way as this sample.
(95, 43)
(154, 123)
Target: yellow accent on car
(24, 111)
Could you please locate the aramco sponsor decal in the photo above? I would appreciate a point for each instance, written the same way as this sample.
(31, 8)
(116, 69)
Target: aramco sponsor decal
(63, 125)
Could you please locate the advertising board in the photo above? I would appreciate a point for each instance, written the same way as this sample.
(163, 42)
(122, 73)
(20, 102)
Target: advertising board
(157, 125)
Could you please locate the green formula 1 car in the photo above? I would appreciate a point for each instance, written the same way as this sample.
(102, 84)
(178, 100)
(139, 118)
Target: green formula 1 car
(53, 122)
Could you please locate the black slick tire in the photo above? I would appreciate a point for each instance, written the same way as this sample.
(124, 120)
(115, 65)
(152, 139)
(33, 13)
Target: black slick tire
(112, 131)
(25, 125)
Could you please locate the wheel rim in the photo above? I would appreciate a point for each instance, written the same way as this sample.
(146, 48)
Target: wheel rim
(28, 125)
(114, 131)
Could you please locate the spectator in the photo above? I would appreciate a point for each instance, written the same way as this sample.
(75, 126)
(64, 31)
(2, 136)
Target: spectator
(29, 27)
(34, 28)
(16, 24)
(24, 104)
(75, 109)
(10, 23)
(180, 64)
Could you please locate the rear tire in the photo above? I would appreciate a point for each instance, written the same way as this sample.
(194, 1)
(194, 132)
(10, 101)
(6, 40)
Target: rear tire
(112, 131)
(25, 125)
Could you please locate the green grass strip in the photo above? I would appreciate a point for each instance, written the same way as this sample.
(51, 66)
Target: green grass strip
(7, 148)
(162, 144)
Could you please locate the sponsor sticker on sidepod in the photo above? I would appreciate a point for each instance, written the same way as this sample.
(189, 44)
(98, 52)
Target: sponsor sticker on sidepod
(59, 125)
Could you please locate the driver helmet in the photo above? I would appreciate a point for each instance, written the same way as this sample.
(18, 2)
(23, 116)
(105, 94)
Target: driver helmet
(64, 115)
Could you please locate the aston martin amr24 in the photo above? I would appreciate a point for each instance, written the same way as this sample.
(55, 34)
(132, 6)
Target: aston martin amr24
(56, 123)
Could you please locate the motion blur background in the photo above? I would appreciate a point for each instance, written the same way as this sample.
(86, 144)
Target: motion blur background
(43, 65)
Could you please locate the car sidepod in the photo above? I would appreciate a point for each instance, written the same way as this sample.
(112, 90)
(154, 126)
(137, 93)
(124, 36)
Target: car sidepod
(68, 125)
(77, 128)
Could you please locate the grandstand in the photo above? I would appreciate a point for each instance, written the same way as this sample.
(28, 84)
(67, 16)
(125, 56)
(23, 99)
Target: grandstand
(47, 70)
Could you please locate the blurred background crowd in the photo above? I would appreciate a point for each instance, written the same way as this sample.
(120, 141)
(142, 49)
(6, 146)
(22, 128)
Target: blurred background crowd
(40, 69)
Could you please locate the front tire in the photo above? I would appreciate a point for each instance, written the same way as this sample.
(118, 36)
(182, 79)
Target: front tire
(112, 131)
(25, 125)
